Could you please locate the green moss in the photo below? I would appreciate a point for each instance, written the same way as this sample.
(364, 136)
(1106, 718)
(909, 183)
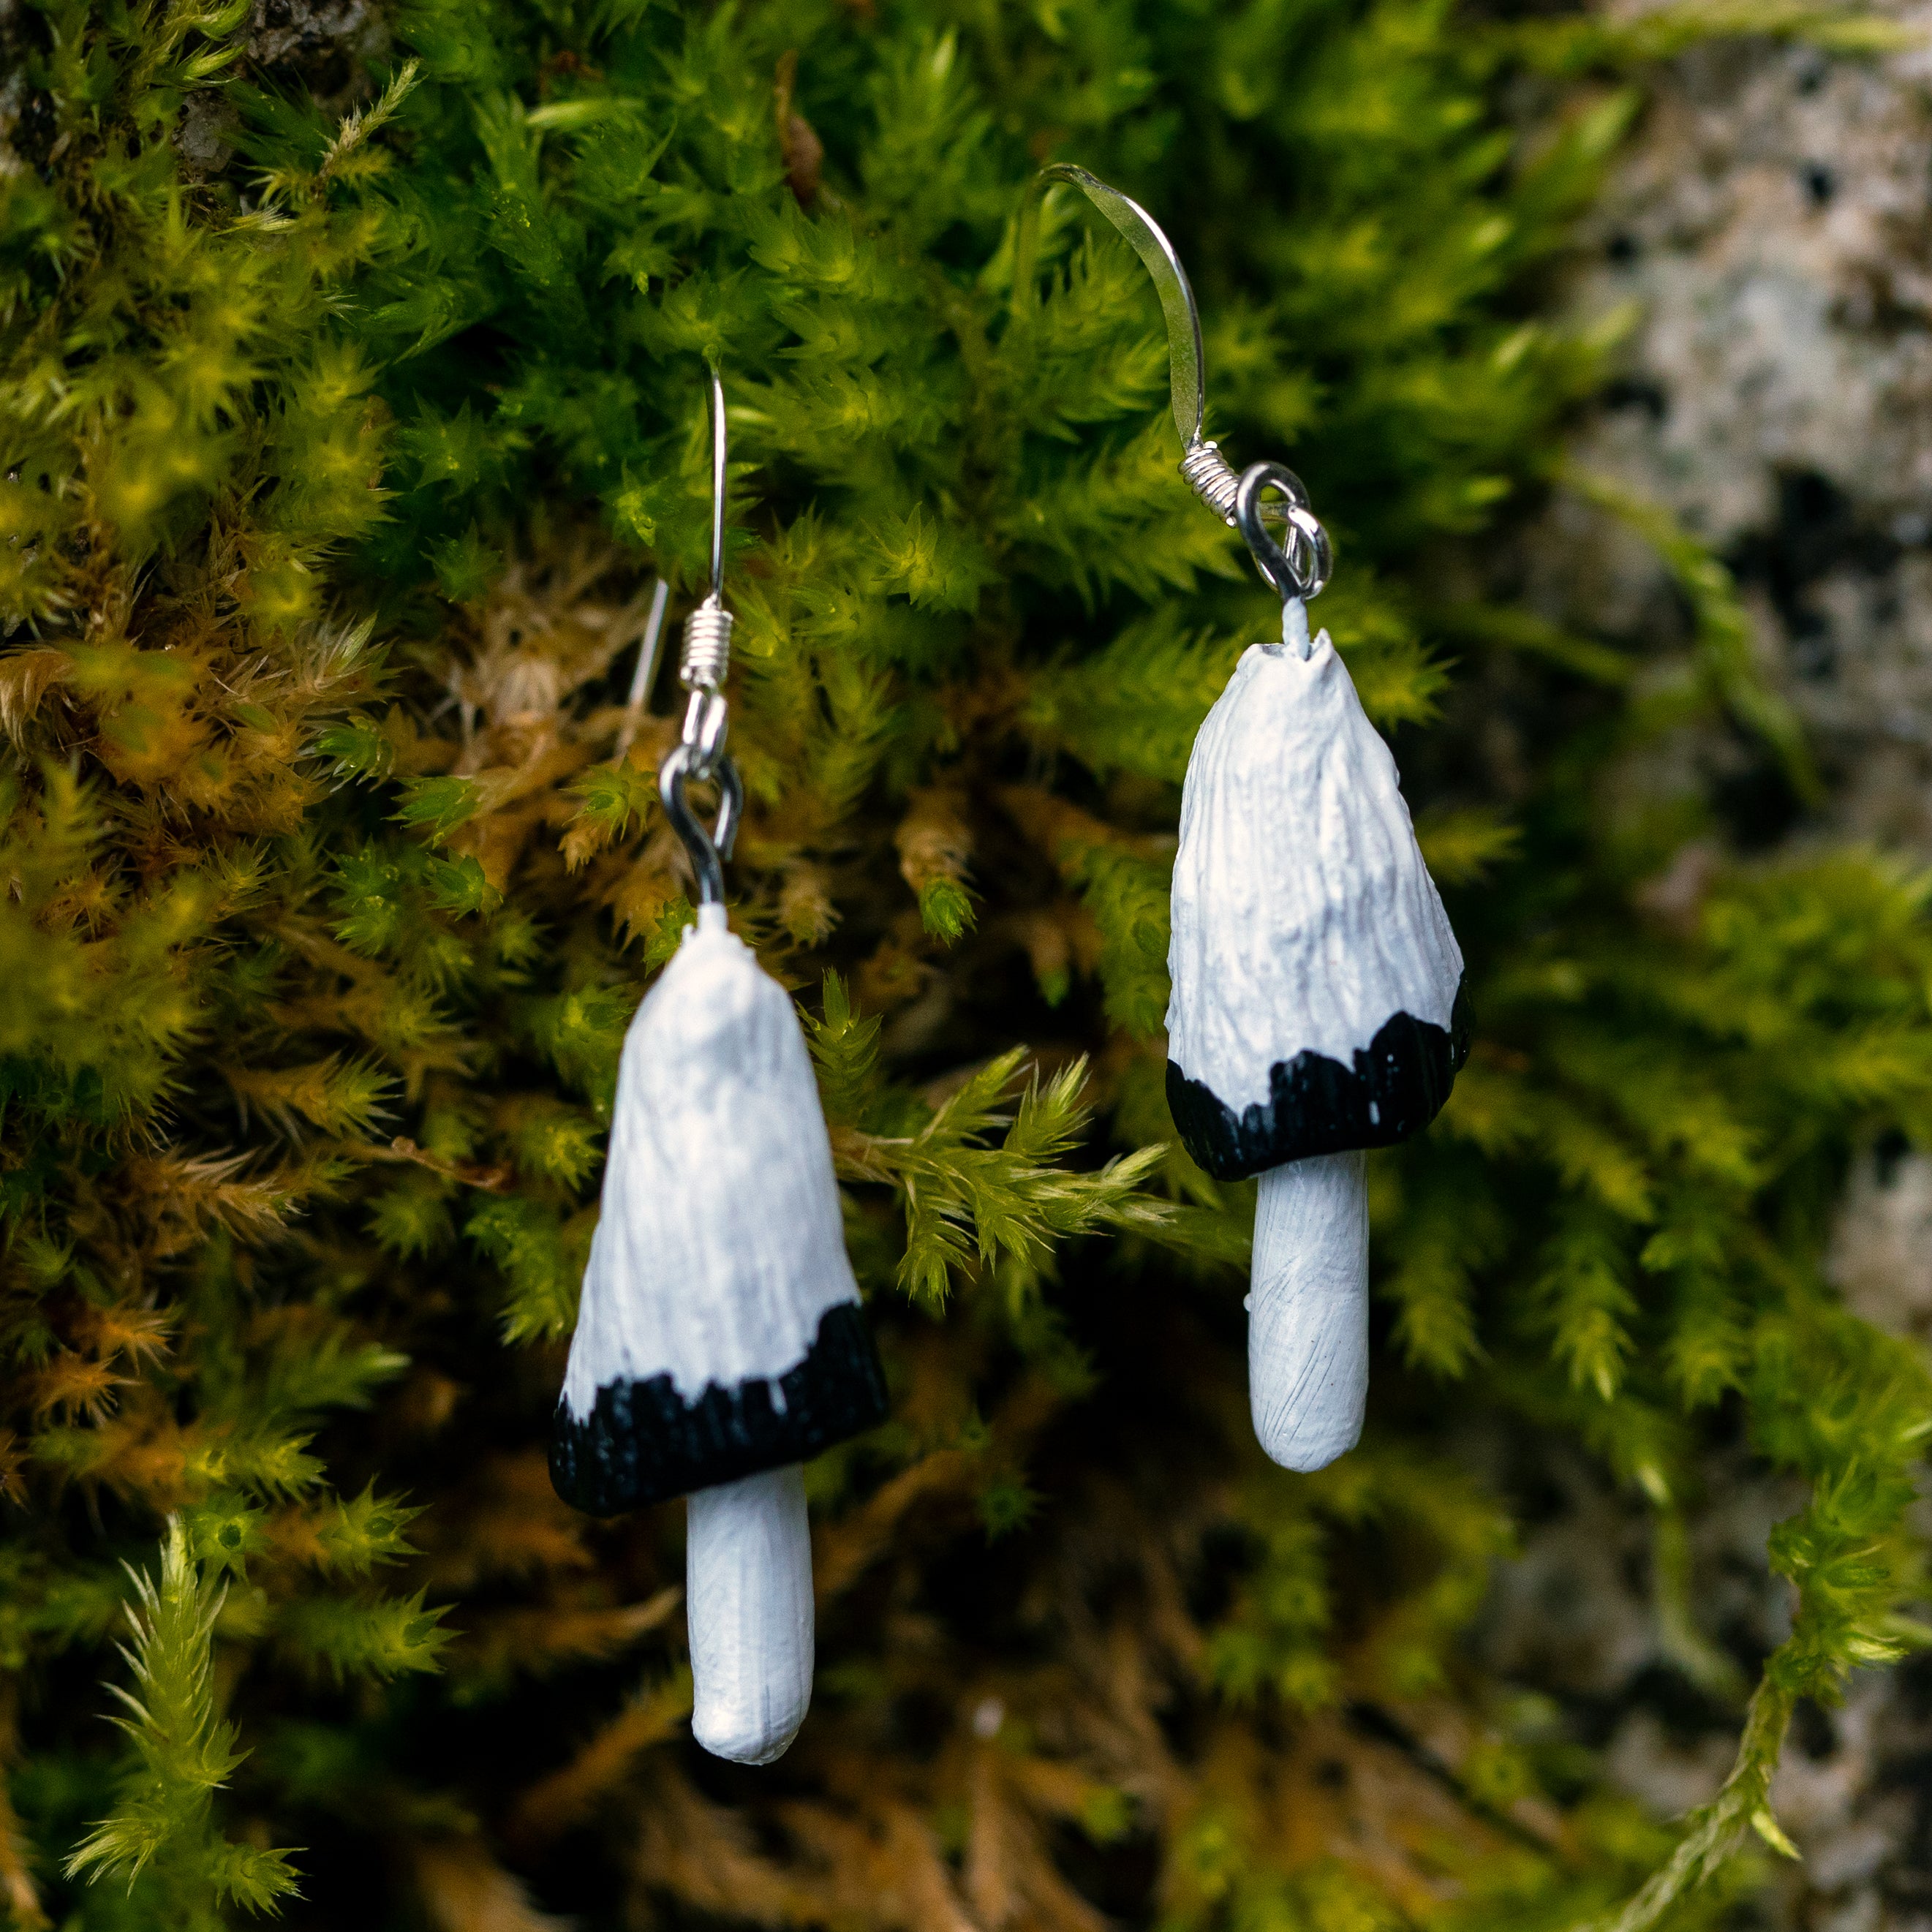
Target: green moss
(335, 471)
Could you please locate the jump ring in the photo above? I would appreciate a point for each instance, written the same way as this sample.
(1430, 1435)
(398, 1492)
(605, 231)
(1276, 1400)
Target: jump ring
(1282, 567)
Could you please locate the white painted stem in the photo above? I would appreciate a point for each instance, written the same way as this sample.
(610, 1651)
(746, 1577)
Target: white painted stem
(1308, 1309)
(748, 1590)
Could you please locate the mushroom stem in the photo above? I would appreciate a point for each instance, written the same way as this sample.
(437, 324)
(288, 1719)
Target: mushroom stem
(748, 1589)
(1308, 1312)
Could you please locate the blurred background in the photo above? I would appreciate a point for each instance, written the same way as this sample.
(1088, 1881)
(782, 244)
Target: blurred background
(1635, 524)
(1770, 227)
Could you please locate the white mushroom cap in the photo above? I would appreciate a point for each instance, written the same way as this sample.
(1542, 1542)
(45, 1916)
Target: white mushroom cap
(1303, 915)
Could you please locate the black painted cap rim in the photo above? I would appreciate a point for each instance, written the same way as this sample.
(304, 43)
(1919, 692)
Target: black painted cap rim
(643, 1443)
(1395, 1086)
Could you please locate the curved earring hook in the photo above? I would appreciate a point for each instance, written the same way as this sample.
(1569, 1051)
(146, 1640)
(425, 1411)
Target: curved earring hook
(1187, 366)
(719, 451)
(1212, 478)
(699, 751)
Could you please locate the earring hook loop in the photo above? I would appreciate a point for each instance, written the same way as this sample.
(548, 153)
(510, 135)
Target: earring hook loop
(1209, 474)
(1301, 569)
(699, 751)
(708, 851)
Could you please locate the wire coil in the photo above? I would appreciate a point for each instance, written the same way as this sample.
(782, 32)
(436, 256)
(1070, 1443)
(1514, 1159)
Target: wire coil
(707, 647)
(1213, 478)
(1298, 564)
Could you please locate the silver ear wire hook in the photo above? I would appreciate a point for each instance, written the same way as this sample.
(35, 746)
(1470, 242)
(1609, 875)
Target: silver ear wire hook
(1302, 568)
(699, 751)
(1186, 364)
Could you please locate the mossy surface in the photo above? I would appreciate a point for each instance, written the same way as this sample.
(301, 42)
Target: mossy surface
(351, 396)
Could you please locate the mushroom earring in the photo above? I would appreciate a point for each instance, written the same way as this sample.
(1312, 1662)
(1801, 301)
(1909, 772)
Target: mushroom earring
(720, 1340)
(1316, 1007)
